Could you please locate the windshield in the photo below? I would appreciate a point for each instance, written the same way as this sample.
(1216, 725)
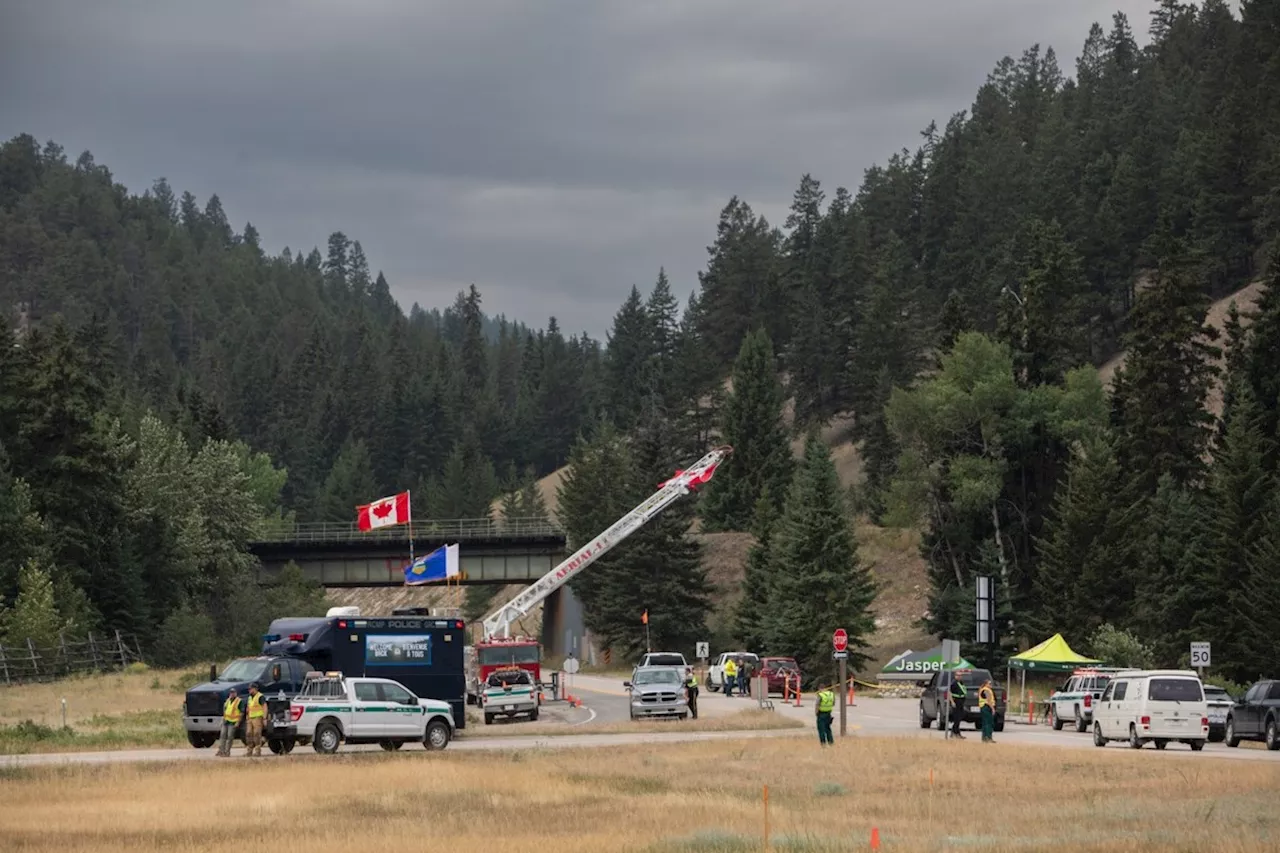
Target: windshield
(975, 678)
(666, 660)
(244, 670)
(781, 663)
(1174, 690)
(657, 676)
(1216, 693)
(501, 679)
(498, 655)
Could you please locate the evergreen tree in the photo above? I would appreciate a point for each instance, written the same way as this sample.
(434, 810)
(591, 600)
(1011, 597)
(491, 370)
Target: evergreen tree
(1262, 362)
(627, 360)
(34, 614)
(750, 623)
(816, 580)
(752, 423)
(349, 484)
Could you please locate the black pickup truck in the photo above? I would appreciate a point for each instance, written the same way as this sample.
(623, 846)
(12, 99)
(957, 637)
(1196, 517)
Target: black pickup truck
(935, 698)
(278, 678)
(1256, 716)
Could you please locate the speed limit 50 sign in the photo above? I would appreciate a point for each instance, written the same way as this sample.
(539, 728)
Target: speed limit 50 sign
(1199, 654)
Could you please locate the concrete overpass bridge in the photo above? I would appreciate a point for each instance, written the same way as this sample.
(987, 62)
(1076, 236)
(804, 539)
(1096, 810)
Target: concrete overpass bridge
(496, 552)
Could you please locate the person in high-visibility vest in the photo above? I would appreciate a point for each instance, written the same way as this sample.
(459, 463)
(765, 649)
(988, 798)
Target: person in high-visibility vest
(691, 688)
(987, 707)
(230, 720)
(957, 692)
(826, 703)
(730, 675)
(257, 718)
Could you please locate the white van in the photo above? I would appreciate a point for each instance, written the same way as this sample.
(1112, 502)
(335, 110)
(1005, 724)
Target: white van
(1160, 705)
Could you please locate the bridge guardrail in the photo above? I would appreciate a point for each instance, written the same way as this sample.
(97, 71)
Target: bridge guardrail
(457, 528)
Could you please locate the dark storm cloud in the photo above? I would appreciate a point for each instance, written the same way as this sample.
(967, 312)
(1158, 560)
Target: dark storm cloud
(553, 153)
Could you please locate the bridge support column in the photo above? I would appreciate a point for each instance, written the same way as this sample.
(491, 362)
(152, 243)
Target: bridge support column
(563, 628)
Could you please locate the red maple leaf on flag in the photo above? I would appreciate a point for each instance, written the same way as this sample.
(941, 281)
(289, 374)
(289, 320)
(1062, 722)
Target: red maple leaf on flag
(383, 510)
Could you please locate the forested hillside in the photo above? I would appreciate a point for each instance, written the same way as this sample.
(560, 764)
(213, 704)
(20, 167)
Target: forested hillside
(950, 312)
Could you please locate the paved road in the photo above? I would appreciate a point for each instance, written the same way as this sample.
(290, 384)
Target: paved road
(603, 704)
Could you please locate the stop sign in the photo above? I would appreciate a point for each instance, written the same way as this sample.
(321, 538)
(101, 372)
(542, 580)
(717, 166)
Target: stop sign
(840, 639)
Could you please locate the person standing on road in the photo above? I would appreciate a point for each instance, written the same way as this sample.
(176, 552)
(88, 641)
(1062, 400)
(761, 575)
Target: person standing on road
(745, 671)
(957, 693)
(691, 690)
(230, 720)
(257, 712)
(822, 709)
(730, 675)
(987, 707)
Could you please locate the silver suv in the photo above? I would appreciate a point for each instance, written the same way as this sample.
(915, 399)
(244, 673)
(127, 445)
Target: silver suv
(658, 691)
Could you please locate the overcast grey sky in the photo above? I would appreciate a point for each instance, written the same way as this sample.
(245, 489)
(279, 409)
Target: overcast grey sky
(554, 152)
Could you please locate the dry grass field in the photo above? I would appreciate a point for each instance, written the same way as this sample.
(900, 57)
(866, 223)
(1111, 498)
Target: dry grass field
(690, 798)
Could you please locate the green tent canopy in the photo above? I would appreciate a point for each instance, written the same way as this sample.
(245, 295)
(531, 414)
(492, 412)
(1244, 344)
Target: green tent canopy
(918, 666)
(1053, 655)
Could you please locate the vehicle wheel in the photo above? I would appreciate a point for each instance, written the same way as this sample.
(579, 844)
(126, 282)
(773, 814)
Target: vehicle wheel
(1230, 736)
(533, 715)
(201, 740)
(998, 725)
(924, 721)
(437, 736)
(1098, 739)
(390, 745)
(1081, 725)
(1057, 721)
(1196, 745)
(1134, 741)
(1273, 736)
(1161, 744)
(327, 738)
(684, 717)
(280, 746)
(488, 719)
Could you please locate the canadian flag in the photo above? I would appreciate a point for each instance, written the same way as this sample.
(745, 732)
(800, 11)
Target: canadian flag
(695, 481)
(384, 512)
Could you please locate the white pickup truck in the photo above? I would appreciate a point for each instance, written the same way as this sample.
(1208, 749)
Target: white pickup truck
(332, 708)
(715, 677)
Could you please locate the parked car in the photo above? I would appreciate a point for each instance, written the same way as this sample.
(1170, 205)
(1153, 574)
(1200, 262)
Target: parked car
(509, 693)
(658, 691)
(332, 709)
(665, 659)
(776, 672)
(935, 699)
(1160, 705)
(715, 675)
(1256, 716)
(1219, 703)
(1074, 701)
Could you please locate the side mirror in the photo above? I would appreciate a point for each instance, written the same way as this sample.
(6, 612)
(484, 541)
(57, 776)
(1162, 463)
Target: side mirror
(213, 672)
(626, 684)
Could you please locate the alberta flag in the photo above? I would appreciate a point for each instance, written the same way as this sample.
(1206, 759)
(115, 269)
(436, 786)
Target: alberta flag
(440, 565)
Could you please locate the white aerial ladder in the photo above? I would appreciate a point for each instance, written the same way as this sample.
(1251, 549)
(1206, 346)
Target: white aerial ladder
(668, 493)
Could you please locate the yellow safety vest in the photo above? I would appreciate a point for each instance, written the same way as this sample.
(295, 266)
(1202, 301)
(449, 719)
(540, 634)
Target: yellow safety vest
(693, 681)
(730, 668)
(826, 700)
(257, 708)
(231, 711)
(987, 696)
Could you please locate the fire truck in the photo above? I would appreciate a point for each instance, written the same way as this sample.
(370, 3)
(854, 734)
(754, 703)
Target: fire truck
(495, 653)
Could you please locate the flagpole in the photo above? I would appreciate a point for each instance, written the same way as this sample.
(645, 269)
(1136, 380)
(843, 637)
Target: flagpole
(409, 500)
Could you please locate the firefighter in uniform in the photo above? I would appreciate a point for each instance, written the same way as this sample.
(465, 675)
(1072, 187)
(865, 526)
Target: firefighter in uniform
(230, 720)
(957, 693)
(730, 675)
(691, 689)
(257, 718)
(826, 702)
(987, 705)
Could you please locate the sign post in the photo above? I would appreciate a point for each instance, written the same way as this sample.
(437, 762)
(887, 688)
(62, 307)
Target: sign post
(950, 657)
(1200, 657)
(840, 639)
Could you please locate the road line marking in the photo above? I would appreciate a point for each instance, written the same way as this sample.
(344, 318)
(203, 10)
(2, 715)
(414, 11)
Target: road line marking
(592, 711)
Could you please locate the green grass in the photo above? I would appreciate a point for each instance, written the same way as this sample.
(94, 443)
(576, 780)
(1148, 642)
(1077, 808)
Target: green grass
(129, 730)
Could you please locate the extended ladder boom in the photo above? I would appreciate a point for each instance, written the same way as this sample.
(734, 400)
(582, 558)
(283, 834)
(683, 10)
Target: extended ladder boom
(668, 493)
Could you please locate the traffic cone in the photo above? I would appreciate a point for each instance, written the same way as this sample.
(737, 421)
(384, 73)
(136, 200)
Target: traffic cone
(875, 838)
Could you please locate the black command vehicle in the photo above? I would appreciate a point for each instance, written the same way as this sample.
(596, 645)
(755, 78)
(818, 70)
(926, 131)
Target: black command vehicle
(1256, 716)
(424, 653)
(935, 698)
(279, 679)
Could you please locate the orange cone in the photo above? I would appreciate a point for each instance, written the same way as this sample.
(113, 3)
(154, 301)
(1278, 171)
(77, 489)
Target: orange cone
(875, 838)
